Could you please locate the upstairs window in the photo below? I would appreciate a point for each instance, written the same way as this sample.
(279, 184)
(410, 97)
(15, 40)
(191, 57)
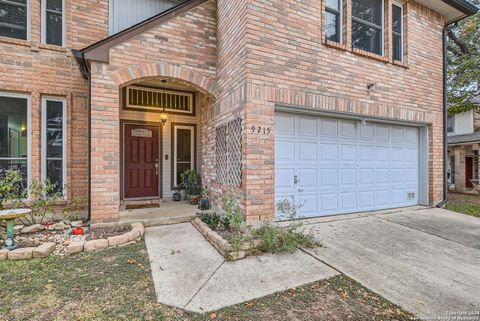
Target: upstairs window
(449, 124)
(53, 22)
(333, 20)
(367, 25)
(14, 19)
(397, 32)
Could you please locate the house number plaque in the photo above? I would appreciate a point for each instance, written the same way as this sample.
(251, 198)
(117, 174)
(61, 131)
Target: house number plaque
(141, 132)
(261, 130)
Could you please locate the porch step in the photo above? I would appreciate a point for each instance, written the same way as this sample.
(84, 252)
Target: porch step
(141, 203)
(160, 220)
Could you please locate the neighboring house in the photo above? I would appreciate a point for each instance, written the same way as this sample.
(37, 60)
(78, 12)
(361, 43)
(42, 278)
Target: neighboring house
(463, 150)
(337, 103)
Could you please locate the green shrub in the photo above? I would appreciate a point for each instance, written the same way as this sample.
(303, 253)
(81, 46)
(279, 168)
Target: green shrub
(211, 219)
(233, 216)
(191, 182)
(277, 240)
(11, 190)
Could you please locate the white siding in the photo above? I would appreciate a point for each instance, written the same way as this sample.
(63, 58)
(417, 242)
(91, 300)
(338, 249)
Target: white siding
(463, 123)
(126, 13)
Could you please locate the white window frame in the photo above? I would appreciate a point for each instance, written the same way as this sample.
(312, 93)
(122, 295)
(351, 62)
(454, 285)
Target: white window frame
(340, 13)
(29, 21)
(382, 31)
(29, 132)
(402, 29)
(64, 140)
(44, 23)
(192, 150)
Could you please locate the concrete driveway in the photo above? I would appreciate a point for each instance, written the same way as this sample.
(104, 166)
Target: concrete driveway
(425, 260)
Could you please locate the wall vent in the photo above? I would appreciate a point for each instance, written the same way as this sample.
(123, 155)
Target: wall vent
(158, 99)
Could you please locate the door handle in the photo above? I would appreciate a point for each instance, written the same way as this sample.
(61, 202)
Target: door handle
(301, 190)
(295, 179)
(156, 166)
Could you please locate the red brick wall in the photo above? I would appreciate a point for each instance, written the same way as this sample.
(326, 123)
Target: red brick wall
(44, 70)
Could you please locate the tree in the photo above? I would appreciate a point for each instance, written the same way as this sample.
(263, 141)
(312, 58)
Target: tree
(463, 59)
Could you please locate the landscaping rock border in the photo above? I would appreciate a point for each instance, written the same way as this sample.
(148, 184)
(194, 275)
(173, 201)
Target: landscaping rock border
(222, 245)
(45, 249)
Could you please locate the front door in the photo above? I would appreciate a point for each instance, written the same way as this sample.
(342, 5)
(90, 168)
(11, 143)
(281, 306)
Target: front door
(141, 161)
(468, 172)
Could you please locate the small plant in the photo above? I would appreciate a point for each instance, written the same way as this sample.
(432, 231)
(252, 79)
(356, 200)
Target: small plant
(276, 239)
(191, 183)
(44, 199)
(12, 190)
(233, 216)
(211, 219)
(289, 208)
(236, 243)
(72, 212)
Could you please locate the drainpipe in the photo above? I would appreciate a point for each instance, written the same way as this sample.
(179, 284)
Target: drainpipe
(89, 144)
(445, 115)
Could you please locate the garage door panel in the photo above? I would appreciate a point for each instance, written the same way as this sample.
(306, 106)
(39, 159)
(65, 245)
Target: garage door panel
(348, 153)
(329, 127)
(284, 178)
(348, 201)
(329, 153)
(284, 125)
(308, 205)
(307, 151)
(348, 129)
(307, 126)
(328, 178)
(284, 151)
(343, 166)
(328, 203)
(348, 177)
(307, 178)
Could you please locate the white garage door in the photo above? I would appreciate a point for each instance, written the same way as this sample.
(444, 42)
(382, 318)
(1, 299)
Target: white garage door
(333, 166)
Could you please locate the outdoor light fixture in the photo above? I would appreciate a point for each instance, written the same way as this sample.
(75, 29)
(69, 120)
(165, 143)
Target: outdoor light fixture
(364, 122)
(163, 115)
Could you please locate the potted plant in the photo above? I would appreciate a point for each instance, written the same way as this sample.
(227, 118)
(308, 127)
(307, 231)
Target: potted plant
(204, 203)
(191, 183)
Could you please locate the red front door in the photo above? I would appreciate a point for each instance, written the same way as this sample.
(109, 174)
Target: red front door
(141, 161)
(468, 172)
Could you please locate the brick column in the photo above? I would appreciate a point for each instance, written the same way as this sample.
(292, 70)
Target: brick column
(459, 152)
(259, 161)
(105, 149)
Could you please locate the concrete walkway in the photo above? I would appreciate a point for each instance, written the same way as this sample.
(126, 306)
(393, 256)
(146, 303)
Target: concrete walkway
(427, 261)
(189, 273)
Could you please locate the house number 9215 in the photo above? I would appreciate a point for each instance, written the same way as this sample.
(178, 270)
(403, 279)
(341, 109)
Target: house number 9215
(260, 130)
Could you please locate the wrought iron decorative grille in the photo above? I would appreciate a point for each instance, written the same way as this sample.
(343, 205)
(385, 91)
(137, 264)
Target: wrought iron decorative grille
(158, 99)
(229, 153)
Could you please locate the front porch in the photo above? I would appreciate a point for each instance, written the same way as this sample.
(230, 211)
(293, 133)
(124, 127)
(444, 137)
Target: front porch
(168, 212)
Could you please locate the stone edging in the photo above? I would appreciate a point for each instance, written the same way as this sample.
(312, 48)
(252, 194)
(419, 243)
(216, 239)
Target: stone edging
(45, 249)
(222, 245)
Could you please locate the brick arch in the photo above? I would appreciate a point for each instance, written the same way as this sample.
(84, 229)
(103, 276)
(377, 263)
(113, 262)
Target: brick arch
(134, 73)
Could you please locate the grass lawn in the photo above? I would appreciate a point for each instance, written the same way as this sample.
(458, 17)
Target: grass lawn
(464, 203)
(116, 285)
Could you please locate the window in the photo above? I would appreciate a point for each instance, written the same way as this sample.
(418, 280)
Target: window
(53, 22)
(14, 22)
(397, 32)
(53, 142)
(15, 134)
(449, 124)
(333, 20)
(367, 25)
(183, 151)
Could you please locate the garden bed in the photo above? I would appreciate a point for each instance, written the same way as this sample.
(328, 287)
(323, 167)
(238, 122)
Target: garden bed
(41, 240)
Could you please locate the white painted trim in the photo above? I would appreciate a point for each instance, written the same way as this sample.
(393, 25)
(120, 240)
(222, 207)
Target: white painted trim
(383, 27)
(29, 20)
(423, 168)
(64, 140)
(402, 30)
(43, 24)
(192, 150)
(29, 130)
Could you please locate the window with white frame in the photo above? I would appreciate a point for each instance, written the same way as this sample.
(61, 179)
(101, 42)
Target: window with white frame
(15, 134)
(333, 20)
(53, 22)
(367, 25)
(54, 142)
(397, 31)
(14, 21)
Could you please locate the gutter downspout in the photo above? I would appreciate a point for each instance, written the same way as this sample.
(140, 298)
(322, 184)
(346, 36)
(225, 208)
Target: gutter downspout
(89, 143)
(445, 115)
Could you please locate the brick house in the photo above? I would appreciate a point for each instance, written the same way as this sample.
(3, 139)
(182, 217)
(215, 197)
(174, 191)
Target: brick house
(463, 150)
(337, 103)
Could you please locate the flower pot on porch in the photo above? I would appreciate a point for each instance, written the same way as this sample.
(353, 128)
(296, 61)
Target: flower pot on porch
(177, 197)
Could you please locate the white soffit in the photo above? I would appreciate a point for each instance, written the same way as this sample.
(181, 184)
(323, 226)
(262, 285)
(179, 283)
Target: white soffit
(451, 14)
